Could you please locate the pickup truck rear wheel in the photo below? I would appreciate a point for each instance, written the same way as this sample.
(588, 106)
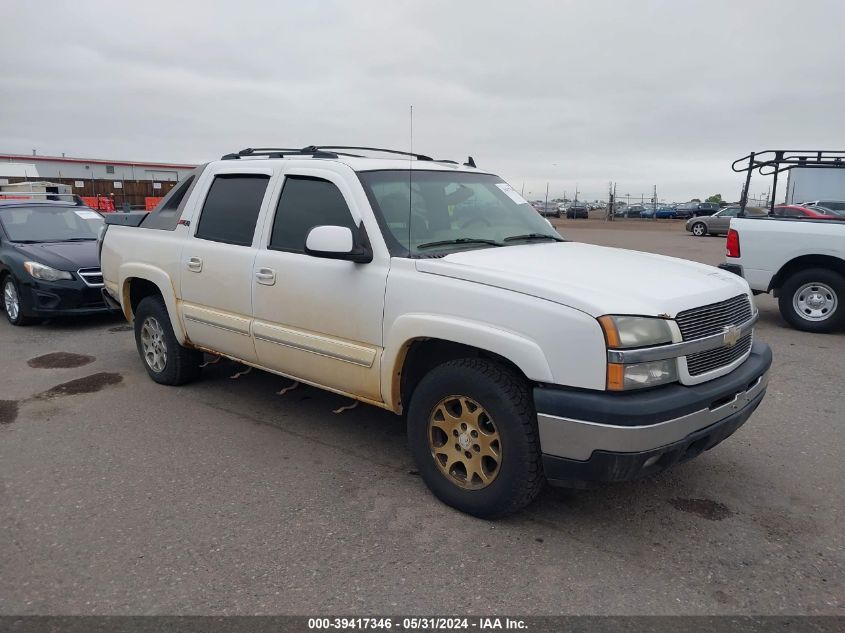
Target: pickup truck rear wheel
(472, 430)
(167, 362)
(811, 300)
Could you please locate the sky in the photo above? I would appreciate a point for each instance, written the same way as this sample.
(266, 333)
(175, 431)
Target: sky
(658, 93)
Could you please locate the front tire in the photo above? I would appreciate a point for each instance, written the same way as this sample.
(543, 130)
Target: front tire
(12, 303)
(166, 361)
(699, 229)
(473, 434)
(811, 300)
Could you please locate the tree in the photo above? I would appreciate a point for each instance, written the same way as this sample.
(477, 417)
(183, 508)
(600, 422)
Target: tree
(696, 200)
(715, 198)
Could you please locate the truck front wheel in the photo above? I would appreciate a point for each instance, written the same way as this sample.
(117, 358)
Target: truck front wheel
(166, 361)
(811, 300)
(473, 434)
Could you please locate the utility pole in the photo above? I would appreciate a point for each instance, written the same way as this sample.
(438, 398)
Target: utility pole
(654, 202)
(547, 194)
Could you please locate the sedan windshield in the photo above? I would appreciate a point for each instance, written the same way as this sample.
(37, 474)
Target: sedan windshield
(427, 212)
(50, 223)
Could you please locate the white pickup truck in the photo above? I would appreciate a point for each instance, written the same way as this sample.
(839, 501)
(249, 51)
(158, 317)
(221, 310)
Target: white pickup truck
(432, 289)
(800, 261)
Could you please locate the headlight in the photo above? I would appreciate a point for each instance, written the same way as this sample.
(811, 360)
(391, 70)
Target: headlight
(632, 331)
(40, 271)
(623, 332)
(640, 375)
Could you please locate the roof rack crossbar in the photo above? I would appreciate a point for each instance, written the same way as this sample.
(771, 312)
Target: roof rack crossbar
(368, 149)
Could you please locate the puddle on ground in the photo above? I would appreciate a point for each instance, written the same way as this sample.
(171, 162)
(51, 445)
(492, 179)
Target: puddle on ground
(88, 384)
(60, 360)
(121, 328)
(8, 411)
(704, 508)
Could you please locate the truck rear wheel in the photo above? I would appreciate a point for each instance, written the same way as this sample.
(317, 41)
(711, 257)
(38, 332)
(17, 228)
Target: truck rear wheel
(811, 300)
(166, 361)
(473, 434)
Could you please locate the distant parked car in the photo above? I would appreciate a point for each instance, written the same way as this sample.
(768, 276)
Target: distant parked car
(633, 211)
(806, 211)
(547, 209)
(719, 222)
(577, 210)
(707, 208)
(667, 213)
(686, 210)
(837, 206)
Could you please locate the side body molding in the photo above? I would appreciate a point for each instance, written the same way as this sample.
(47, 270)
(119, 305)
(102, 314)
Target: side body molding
(521, 351)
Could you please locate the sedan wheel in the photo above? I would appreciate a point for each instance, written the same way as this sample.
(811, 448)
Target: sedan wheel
(11, 301)
(699, 229)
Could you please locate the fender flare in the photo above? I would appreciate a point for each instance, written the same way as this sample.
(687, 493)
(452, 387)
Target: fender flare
(162, 280)
(521, 351)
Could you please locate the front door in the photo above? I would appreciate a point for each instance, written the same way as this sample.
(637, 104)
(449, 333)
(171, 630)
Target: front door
(316, 319)
(217, 263)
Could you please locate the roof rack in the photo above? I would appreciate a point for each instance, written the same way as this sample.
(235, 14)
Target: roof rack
(771, 162)
(315, 151)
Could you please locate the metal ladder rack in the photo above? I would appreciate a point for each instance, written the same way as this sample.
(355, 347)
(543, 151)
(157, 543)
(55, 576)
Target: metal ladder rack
(772, 162)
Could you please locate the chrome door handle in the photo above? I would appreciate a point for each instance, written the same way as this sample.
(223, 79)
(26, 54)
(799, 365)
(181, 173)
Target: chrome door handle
(194, 264)
(266, 276)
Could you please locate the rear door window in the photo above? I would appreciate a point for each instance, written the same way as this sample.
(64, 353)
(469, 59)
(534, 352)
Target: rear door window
(231, 208)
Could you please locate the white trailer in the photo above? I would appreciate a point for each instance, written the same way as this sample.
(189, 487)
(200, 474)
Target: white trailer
(815, 183)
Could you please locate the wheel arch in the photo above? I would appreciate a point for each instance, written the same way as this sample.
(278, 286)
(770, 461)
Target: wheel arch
(803, 262)
(419, 343)
(142, 281)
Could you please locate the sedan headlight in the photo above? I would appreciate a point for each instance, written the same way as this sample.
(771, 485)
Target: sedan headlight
(45, 273)
(623, 332)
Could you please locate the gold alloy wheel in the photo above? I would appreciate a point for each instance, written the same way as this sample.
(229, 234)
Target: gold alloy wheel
(464, 442)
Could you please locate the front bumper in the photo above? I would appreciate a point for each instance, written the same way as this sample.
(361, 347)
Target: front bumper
(591, 437)
(45, 299)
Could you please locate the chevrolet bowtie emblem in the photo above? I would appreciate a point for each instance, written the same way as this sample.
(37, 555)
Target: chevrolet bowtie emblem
(731, 335)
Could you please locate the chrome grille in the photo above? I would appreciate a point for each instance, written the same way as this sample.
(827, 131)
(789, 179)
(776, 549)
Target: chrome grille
(91, 276)
(710, 320)
(702, 362)
(714, 318)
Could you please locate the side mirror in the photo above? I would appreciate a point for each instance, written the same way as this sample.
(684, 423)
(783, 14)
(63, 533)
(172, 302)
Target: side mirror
(336, 242)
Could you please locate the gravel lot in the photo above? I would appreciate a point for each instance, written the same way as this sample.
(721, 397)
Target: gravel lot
(120, 496)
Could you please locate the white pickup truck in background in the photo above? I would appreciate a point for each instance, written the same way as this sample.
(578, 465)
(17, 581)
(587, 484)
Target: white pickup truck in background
(434, 290)
(800, 261)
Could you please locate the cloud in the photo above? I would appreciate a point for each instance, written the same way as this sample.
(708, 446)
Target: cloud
(644, 93)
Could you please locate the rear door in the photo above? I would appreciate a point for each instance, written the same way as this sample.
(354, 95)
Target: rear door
(721, 222)
(316, 319)
(217, 260)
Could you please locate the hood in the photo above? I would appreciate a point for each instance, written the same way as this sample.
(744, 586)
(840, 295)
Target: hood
(63, 255)
(594, 279)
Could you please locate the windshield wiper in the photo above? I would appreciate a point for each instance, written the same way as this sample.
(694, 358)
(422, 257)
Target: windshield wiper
(461, 240)
(534, 236)
(79, 239)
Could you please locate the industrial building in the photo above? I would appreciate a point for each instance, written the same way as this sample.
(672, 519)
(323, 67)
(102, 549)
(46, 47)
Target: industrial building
(125, 182)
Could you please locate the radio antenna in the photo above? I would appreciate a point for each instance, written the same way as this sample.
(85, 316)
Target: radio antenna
(410, 183)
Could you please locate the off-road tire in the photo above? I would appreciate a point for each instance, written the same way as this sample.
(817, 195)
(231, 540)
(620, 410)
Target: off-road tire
(508, 400)
(786, 299)
(182, 364)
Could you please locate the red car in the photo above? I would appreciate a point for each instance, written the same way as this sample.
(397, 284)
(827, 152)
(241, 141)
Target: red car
(798, 211)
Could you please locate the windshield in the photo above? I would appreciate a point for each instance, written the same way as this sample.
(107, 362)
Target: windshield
(427, 212)
(50, 224)
(838, 208)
